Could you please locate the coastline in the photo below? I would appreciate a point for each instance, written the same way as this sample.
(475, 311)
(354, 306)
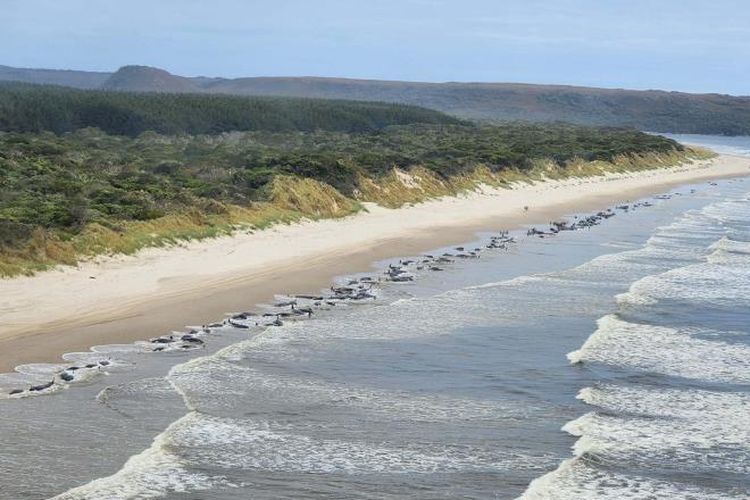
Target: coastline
(159, 290)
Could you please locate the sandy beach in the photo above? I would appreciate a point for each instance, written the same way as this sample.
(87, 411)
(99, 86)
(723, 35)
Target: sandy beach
(126, 298)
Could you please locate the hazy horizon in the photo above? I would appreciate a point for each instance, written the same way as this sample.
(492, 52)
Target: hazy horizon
(683, 46)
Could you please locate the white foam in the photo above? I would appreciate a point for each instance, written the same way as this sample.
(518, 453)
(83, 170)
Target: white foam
(150, 474)
(700, 428)
(669, 403)
(49, 369)
(721, 444)
(708, 283)
(729, 252)
(575, 479)
(204, 385)
(669, 351)
(232, 443)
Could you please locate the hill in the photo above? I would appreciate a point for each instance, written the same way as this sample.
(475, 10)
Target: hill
(147, 79)
(67, 78)
(37, 108)
(652, 110)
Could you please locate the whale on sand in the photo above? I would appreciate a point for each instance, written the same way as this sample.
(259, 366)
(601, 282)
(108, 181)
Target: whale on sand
(41, 387)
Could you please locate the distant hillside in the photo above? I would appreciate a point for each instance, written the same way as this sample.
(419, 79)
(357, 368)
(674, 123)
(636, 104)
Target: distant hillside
(67, 78)
(651, 110)
(36, 108)
(147, 79)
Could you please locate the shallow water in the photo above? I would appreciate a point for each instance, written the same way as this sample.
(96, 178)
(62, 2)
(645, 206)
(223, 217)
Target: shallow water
(631, 336)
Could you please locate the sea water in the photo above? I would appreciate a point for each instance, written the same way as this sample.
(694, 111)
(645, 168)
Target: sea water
(611, 362)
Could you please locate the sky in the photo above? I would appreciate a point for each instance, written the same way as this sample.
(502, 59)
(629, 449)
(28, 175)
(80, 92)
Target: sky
(686, 45)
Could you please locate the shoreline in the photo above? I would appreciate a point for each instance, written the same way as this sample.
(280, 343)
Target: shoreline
(127, 298)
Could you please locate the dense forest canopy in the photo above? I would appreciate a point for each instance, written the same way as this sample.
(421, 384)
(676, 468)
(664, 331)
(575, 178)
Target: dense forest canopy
(37, 108)
(63, 182)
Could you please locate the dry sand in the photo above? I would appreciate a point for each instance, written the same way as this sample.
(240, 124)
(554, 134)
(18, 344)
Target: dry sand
(126, 298)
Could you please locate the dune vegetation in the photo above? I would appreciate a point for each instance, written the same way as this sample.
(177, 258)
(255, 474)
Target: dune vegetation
(89, 193)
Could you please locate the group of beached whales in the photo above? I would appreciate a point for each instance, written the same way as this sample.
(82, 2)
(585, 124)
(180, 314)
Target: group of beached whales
(298, 306)
(65, 376)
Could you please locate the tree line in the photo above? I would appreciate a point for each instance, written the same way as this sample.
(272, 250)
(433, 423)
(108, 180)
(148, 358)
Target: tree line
(39, 108)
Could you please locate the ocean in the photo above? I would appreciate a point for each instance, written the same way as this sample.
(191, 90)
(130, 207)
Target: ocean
(611, 362)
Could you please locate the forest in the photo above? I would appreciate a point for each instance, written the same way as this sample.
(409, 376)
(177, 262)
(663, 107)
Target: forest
(39, 108)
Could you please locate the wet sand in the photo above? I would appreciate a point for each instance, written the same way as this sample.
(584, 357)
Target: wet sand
(159, 290)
